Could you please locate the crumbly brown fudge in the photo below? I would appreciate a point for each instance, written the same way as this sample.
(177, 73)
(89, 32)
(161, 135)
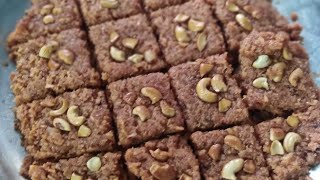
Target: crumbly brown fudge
(291, 145)
(187, 32)
(275, 73)
(46, 17)
(208, 106)
(99, 11)
(125, 48)
(170, 158)
(65, 126)
(152, 5)
(52, 65)
(88, 166)
(144, 108)
(233, 153)
(240, 17)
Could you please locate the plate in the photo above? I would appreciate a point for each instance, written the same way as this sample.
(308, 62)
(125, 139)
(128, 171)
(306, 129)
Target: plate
(11, 152)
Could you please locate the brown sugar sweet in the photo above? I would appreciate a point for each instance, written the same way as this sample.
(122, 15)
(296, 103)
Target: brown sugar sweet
(151, 5)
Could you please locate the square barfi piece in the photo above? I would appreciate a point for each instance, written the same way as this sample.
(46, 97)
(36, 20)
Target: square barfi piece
(144, 108)
(291, 145)
(187, 32)
(68, 125)
(46, 17)
(275, 73)
(239, 17)
(99, 11)
(170, 158)
(208, 106)
(233, 153)
(52, 65)
(152, 5)
(125, 48)
(88, 166)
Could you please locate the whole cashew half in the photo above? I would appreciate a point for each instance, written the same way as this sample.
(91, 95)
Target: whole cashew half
(203, 93)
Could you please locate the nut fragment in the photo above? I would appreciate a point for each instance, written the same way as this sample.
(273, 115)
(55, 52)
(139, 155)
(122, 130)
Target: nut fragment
(185, 177)
(56, 10)
(218, 84)
(203, 93)
(293, 121)
(46, 9)
(84, 131)
(232, 7)
(261, 83)
(48, 19)
(205, 68)
(181, 18)
(215, 152)
(202, 42)
(46, 51)
(290, 141)
(249, 166)
(195, 26)
(181, 34)
(142, 112)
(286, 54)
(234, 142)
(276, 134)
(114, 36)
(73, 116)
(152, 93)
(162, 171)
(110, 4)
(276, 148)
(53, 65)
(244, 22)
(130, 43)
(136, 58)
(112, 177)
(117, 54)
(61, 110)
(94, 164)
(167, 109)
(75, 176)
(160, 155)
(150, 56)
(263, 61)
(295, 77)
(231, 168)
(276, 72)
(66, 56)
(61, 124)
(224, 105)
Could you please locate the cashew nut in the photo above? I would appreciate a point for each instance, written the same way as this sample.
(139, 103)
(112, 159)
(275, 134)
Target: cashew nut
(84, 131)
(231, 168)
(94, 164)
(290, 141)
(202, 41)
(293, 121)
(215, 152)
(130, 43)
(143, 112)
(244, 22)
(181, 34)
(276, 148)
(195, 26)
(234, 142)
(276, 134)
(61, 124)
(75, 176)
(287, 55)
(218, 84)
(232, 7)
(276, 72)
(166, 109)
(263, 61)
(203, 93)
(249, 166)
(205, 69)
(61, 110)
(110, 4)
(185, 177)
(114, 36)
(261, 83)
(152, 93)
(224, 105)
(181, 18)
(160, 155)
(73, 116)
(295, 76)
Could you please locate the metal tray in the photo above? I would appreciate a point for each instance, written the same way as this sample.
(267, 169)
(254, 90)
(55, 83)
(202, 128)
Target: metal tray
(11, 153)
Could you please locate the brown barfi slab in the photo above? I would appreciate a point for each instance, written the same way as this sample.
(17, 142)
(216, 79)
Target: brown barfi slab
(187, 32)
(239, 17)
(291, 145)
(275, 73)
(208, 106)
(88, 166)
(99, 11)
(67, 67)
(145, 108)
(68, 125)
(170, 158)
(125, 48)
(152, 5)
(233, 153)
(46, 17)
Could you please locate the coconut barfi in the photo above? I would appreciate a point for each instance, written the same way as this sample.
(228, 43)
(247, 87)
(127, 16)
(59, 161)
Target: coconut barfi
(207, 93)
(125, 48)
(144, 108)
